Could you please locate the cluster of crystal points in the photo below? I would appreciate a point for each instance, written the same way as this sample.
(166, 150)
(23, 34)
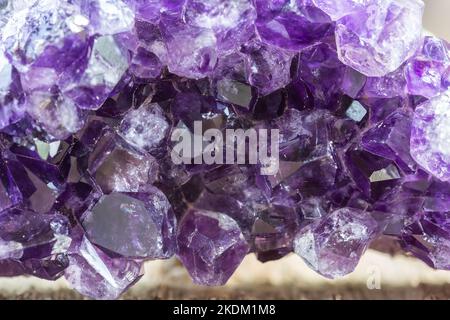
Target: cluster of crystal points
(91, 90)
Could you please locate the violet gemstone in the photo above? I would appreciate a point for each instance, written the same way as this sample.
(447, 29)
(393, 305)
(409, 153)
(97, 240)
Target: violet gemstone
(389, 86)
(333, 246)
(324, 75)
(58, 115)
(429, 142)
(146, 9)
(268, 68)
(231, 20)
(390, 139)
(95, 78)
(339, 9)
(96, 275)
(195, 46)
(428, 238)
(11, 94)
(10, 194)
(143, 224)
(117, 166)
(374, 48)
(108, 17)
(290, 26)
(33, 243)
(425, 71)
(94, 95)
(36, 44)
(211, 246)
(146, 128)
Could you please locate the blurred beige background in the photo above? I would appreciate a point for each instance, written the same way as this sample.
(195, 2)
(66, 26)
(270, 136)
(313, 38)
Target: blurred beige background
(437, 17)
(378, 275)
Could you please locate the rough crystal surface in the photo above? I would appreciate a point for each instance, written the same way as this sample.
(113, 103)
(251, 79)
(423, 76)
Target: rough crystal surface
(425, 71)
(378, 39)
(334, 245)
(146, 128)
(94, 95)
(291, 24)
(142, 224)
(429, 136)
(96, 275)
(211, 246)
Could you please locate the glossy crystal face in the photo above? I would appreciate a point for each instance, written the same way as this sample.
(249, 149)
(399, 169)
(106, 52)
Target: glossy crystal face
(95, 96)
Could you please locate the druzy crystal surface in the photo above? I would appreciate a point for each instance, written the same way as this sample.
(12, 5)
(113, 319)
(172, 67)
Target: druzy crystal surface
(92, 93)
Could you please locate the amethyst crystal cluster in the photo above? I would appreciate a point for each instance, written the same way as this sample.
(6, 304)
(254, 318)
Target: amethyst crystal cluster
(91, 90)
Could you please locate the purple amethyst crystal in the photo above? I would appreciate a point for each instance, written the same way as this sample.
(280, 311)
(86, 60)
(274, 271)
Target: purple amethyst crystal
(291, 25)
(195, 47)
(425, 71)
(146, 128)
(390, 139)
(211, 246)
(231, 20)
(11, 94)
(36, 45)
(95, 78)
(96, 275)
(33, 243)
(428, 239)
(143, 224)
(339, 9)
(429, 142)
(95, 95)
(334, 245)
(268, 68)
(368, 39)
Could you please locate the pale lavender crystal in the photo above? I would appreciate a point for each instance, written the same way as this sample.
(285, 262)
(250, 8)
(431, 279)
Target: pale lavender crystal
(146, 128)
(290, 24)
(231, 20)
(430, 136)
(11, 94)
(91, 90)
(333, 245)
(389, 86)
(58, 115)
(148, 48)
(146, 9)
(108, 17)
(145, 64)
(96, 275)
(191, 50)
(37, 243)
(95, 78)
(211, 246)
(425, 71)
(36, 44)
(390, 139)
(340, 8)
(151, 10)
(118, 167)
(446, 78)
(10, 250)
(268, 68)
(380, 38)
(143, 224)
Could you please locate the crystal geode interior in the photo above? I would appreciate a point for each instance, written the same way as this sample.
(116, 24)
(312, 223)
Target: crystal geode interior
(91, 91)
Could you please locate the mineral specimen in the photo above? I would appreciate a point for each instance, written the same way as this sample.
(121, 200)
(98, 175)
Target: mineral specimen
(94, 95)
(381, 36)
(430, 136)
